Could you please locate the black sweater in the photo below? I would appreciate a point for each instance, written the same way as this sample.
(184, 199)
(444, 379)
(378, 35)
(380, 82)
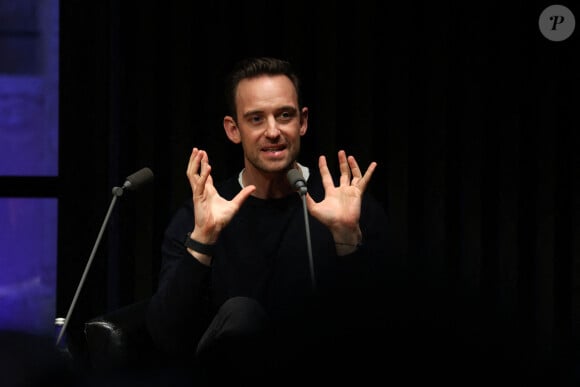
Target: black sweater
(263, 254)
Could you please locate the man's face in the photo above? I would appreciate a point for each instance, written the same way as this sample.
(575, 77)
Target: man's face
(270, 123)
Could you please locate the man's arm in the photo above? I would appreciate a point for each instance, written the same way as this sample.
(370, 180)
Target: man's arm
(340, 209)
(178, 310)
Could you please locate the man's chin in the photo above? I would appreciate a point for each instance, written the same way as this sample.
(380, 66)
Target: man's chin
(278, 166)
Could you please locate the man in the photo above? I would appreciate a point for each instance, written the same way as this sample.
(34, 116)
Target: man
(247, 286)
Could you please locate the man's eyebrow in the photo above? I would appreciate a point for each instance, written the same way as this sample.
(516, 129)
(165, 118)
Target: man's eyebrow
(287, 107)
(277, 110)
(253, 113)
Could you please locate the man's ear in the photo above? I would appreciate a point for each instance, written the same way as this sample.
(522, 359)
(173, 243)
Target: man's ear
(232, 130)
(303, 121)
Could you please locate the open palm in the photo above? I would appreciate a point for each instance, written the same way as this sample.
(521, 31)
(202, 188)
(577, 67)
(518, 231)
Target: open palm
(212, 211)
(340, 208)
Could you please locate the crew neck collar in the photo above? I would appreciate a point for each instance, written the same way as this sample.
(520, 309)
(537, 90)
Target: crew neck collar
(304, 169)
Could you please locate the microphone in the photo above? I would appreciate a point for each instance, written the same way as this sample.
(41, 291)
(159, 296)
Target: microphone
(137, 179)
(297, 181)
(133, 182)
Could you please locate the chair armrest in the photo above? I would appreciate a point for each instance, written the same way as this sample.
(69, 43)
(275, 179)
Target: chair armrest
(119, 339)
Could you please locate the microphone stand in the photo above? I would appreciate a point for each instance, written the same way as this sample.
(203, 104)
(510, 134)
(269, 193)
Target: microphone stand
(117, 192)
(308, 242)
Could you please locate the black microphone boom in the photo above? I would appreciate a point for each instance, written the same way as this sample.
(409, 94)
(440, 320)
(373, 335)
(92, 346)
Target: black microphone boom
(133, 182)
(297, 182)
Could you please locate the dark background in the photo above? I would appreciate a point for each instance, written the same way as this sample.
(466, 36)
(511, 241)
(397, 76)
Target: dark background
(469, 111)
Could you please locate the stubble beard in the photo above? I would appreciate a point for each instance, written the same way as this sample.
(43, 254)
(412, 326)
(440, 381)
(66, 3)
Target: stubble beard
(269, 168)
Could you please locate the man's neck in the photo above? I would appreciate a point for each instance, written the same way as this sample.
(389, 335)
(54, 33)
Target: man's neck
(269, 185)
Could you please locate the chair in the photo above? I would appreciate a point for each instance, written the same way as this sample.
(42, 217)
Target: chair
(119, 340)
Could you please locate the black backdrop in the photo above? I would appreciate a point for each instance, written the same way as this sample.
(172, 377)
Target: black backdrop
(469, 111)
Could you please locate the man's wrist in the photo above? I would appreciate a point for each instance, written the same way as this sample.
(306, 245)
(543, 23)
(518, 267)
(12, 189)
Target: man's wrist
(347, 241)
(356, 245)
(347, 237)
(202, 248)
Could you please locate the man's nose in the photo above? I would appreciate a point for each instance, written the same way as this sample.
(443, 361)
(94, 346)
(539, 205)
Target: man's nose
(272, 130)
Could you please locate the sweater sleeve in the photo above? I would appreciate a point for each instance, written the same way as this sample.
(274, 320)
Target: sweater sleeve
(370, 270)
(178, 311)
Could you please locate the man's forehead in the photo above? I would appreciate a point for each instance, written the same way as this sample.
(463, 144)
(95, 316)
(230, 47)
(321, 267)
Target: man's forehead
(266, 92)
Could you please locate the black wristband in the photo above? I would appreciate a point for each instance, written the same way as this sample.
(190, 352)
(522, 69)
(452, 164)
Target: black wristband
(197, 246)
(358, 245)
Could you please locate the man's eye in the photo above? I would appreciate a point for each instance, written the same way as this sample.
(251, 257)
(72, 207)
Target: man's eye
(256, 119)
(286, 115)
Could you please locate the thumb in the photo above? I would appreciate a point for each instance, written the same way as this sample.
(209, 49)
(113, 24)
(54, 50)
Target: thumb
(310, 203)
(245, 193)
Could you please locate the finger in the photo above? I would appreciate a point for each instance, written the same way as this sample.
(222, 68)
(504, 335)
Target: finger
(327, 182)
(191, 158)
(364, 181)
(344, 169)
(310, 203)
(209, 180)
(205, 168)
(204, 173)
(193, 167)
(354, 168)
(243, 195)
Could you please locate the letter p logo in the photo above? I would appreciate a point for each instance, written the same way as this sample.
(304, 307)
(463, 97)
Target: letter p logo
(556, 23)
(557, 19)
